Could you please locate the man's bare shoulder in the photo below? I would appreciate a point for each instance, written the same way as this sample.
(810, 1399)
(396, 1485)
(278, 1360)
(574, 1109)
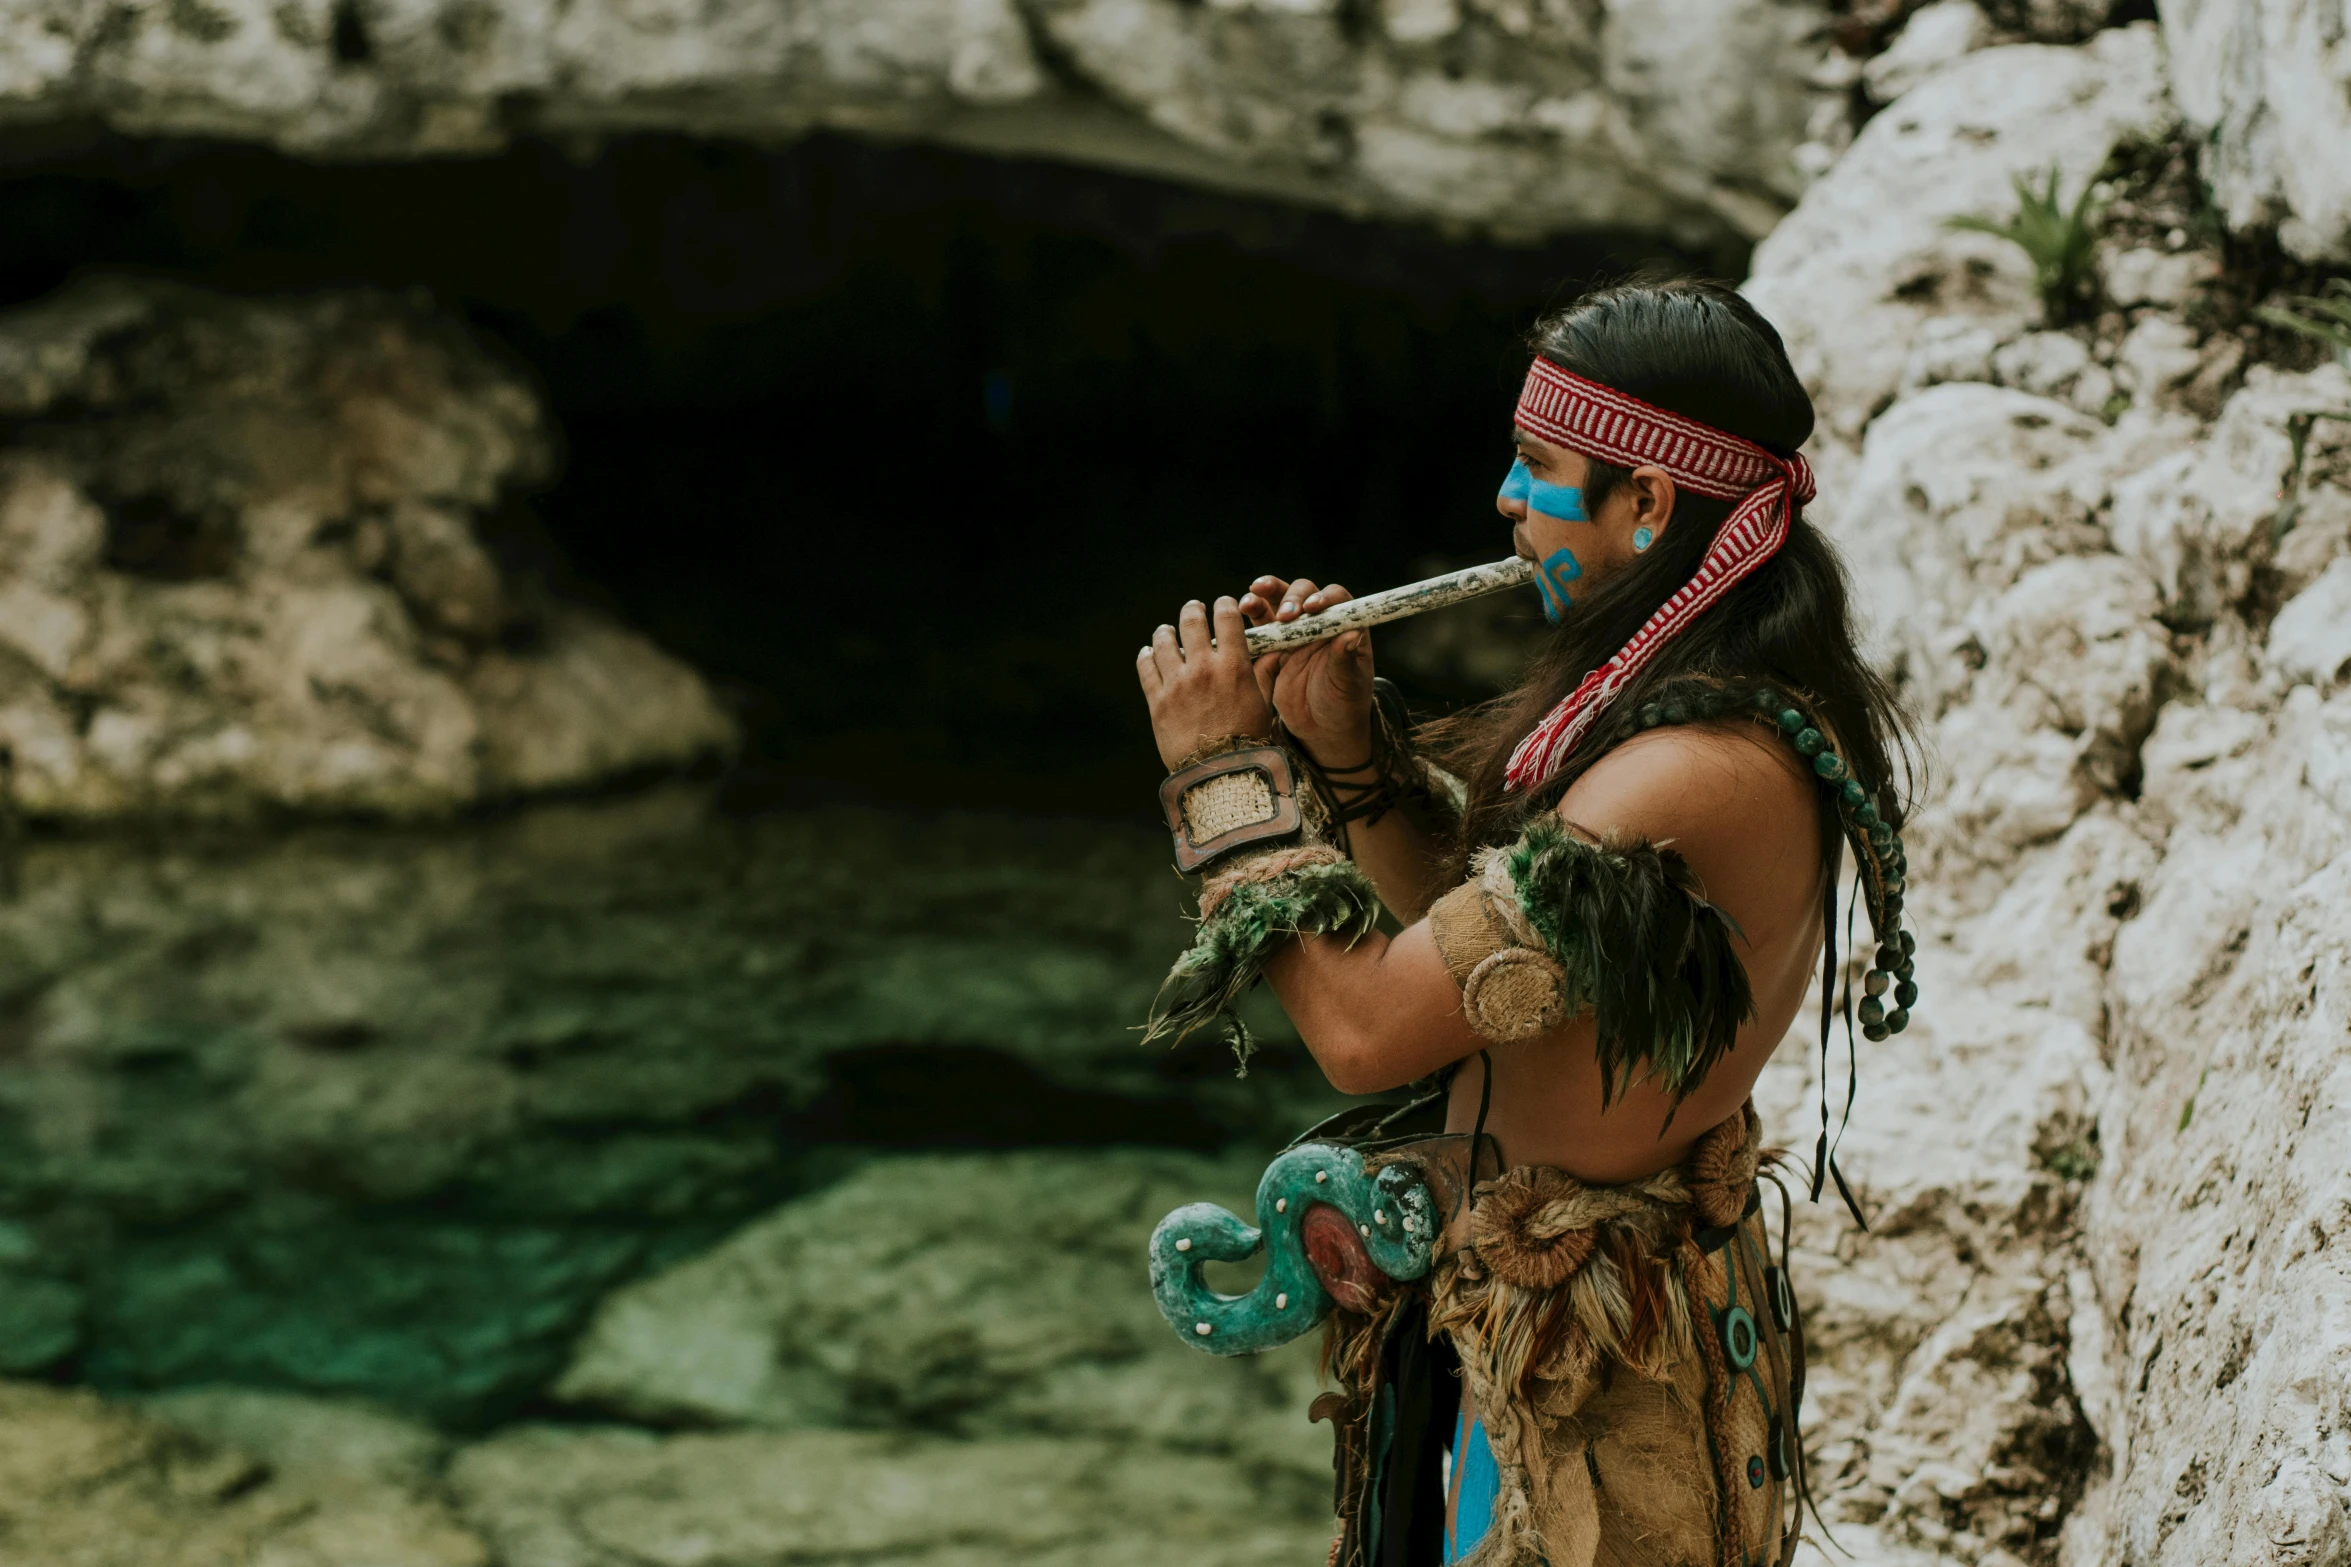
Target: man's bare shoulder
(1723, 789)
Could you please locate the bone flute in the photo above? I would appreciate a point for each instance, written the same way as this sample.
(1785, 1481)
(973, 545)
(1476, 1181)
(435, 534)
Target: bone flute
(1377, 609)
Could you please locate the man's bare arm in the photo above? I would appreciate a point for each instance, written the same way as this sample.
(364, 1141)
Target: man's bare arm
(1384, 1012)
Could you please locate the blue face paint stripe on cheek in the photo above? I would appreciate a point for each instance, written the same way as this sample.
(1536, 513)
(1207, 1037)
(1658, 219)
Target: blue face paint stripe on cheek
(1563, 501)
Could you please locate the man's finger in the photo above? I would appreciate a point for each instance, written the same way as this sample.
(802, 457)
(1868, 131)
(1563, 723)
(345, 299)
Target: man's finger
(1326, 598)
(1166, 656)
(1268, 671)
(1147, 671)
(1270, 588)
(1192, 630)
(1293, 599)
(1231, 630)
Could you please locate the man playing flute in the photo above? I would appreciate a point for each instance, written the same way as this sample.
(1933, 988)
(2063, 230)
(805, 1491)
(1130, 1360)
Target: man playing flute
(1559, 1329)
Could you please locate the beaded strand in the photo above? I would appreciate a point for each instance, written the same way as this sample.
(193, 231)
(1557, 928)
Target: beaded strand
(1876, 845)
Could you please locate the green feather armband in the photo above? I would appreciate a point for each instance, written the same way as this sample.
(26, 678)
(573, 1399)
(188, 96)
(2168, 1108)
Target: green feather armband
(1247, 916)
(1554, 926)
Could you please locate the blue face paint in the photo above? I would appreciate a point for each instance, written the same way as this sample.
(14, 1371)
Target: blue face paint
(1559, 568)
(1563, 501)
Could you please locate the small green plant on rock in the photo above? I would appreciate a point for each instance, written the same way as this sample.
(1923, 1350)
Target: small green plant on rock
(2325, 316)
(2061, 241)
(2298, 428)
(2076, 1161)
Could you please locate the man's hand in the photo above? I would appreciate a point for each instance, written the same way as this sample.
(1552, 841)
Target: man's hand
(1198, 690)
(1323, 690)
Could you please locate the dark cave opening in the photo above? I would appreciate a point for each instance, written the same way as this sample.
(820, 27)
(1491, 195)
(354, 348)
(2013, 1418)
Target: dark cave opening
(906, 449)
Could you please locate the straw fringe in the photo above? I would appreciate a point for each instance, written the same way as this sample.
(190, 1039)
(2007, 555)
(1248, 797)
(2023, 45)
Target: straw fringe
(1557, 1287)
(1561, 1280)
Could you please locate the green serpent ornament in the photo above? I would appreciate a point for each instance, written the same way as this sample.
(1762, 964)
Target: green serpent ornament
(1317, 1199)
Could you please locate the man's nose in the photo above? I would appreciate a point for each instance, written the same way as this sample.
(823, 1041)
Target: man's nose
(1518, 488)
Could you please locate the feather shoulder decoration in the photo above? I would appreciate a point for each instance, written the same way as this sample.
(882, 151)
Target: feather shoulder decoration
(1642, 947)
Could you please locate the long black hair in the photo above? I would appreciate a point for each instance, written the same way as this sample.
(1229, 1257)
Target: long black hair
(1700, 350)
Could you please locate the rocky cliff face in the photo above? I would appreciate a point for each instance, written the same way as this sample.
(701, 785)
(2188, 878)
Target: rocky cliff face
(247, 565)
(1523, 117)
(2100, 1314)
(2269, 84)
(1526, 117)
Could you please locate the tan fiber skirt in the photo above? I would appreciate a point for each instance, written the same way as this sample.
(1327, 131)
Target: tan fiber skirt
(1633, 1351)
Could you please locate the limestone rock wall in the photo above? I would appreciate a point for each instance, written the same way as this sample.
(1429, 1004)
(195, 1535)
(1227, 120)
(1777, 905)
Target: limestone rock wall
(244, 568)
(2269, 83)
(1525, 117)
(1864, 273)
(2101, 1315)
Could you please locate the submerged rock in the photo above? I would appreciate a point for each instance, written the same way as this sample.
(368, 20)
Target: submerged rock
(293, 1434)
(83, 1481)
(985, 1296)
(556, 1497)
(1000, 1300)
(247, 566)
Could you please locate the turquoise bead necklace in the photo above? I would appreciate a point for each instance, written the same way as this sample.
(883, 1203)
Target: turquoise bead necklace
(1889, 987)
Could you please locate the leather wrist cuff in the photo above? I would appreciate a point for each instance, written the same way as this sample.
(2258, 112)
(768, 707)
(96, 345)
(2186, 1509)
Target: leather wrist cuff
(1239, 799)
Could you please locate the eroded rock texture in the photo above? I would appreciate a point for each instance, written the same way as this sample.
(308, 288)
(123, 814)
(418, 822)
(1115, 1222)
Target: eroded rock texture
(246, 565)
(1865, 269)
(1525, 117)
(2100, 1315)
(230, 1478)
(623, 1498)
(2269, 82)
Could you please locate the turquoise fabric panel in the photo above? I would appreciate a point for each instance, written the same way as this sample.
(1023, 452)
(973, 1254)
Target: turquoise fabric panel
(1477, 1485)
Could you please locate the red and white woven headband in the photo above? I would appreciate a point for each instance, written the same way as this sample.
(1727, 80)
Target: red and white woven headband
(1584, 416)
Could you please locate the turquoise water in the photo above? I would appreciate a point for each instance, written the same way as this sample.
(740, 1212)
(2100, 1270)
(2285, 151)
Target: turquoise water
(385, 1113)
